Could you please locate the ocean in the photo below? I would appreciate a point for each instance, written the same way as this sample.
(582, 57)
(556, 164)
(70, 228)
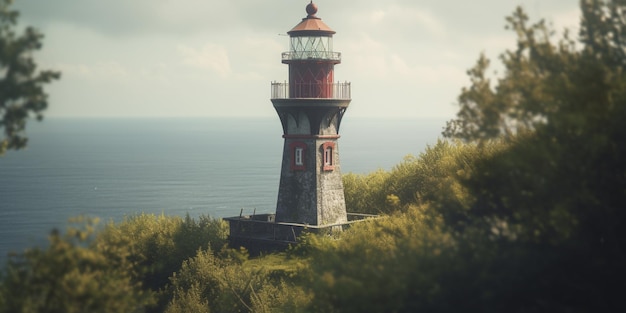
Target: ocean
(112, 168)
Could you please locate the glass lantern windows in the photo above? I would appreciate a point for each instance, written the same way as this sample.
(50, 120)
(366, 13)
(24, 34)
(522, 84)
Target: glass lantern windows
(311, 47)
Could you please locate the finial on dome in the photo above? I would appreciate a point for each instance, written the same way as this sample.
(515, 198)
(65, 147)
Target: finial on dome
(311, 9)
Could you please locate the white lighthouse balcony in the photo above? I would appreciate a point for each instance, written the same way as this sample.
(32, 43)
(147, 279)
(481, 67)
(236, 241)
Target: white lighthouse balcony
(311, 55)
(311, 90)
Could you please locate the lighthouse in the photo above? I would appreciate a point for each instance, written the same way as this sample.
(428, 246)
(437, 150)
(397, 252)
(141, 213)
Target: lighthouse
(310, 106)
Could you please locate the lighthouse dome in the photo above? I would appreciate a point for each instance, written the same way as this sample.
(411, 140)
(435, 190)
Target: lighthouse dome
(311, 25)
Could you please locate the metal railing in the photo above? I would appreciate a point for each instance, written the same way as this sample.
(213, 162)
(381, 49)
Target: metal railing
(311, 90)
(311, 55)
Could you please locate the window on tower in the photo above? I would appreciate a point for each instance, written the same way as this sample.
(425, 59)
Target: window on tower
(297, 155)
(328, 150)
(328, 156)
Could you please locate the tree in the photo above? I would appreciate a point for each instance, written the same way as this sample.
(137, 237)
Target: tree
(527, 96)
(541, 81)
(557, 192)
(21, 86)
(572, 101)
(68, 276)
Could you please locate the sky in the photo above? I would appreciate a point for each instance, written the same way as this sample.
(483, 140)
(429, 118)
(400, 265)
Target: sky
(210, 58)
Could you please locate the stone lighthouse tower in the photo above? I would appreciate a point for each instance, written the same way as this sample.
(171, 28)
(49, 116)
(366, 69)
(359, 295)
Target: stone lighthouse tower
(310, 106)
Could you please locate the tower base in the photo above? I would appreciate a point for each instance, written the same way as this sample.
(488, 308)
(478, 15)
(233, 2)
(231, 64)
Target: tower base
(260, 233)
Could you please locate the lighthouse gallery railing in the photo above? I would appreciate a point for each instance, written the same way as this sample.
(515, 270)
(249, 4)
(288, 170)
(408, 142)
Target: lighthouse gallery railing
(311, 90)
(311, 54)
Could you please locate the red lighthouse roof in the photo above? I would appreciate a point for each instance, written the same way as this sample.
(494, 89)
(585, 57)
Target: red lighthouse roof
(311, 25)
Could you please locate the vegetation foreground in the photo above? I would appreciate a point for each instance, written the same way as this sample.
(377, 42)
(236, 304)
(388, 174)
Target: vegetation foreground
(521, 210)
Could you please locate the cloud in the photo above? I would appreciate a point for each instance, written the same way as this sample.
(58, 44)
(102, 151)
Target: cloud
(157, 52)
(210, 57)
(567, 20)
(425, 73)
(110, 70)
(141, 17)
(423, 18)
(397, 23)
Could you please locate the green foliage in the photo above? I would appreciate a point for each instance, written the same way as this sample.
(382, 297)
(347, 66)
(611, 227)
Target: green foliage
(526, 97)
(534, 205)
(188, 300)
(560, 187)
(21, 87)
(432, 177)
(365, 193)
(376, 266)
(154, 247)
(565, 180)
(225, 284)
(68, 276)
(122, 268)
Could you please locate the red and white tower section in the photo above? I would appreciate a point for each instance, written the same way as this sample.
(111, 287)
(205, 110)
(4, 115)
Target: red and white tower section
(310, 106)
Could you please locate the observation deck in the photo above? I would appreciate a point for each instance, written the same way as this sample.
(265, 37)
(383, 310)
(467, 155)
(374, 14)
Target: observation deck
(286, 90)
(290, 56)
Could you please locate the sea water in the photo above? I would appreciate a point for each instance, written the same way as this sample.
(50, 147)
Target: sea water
(112, 168)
